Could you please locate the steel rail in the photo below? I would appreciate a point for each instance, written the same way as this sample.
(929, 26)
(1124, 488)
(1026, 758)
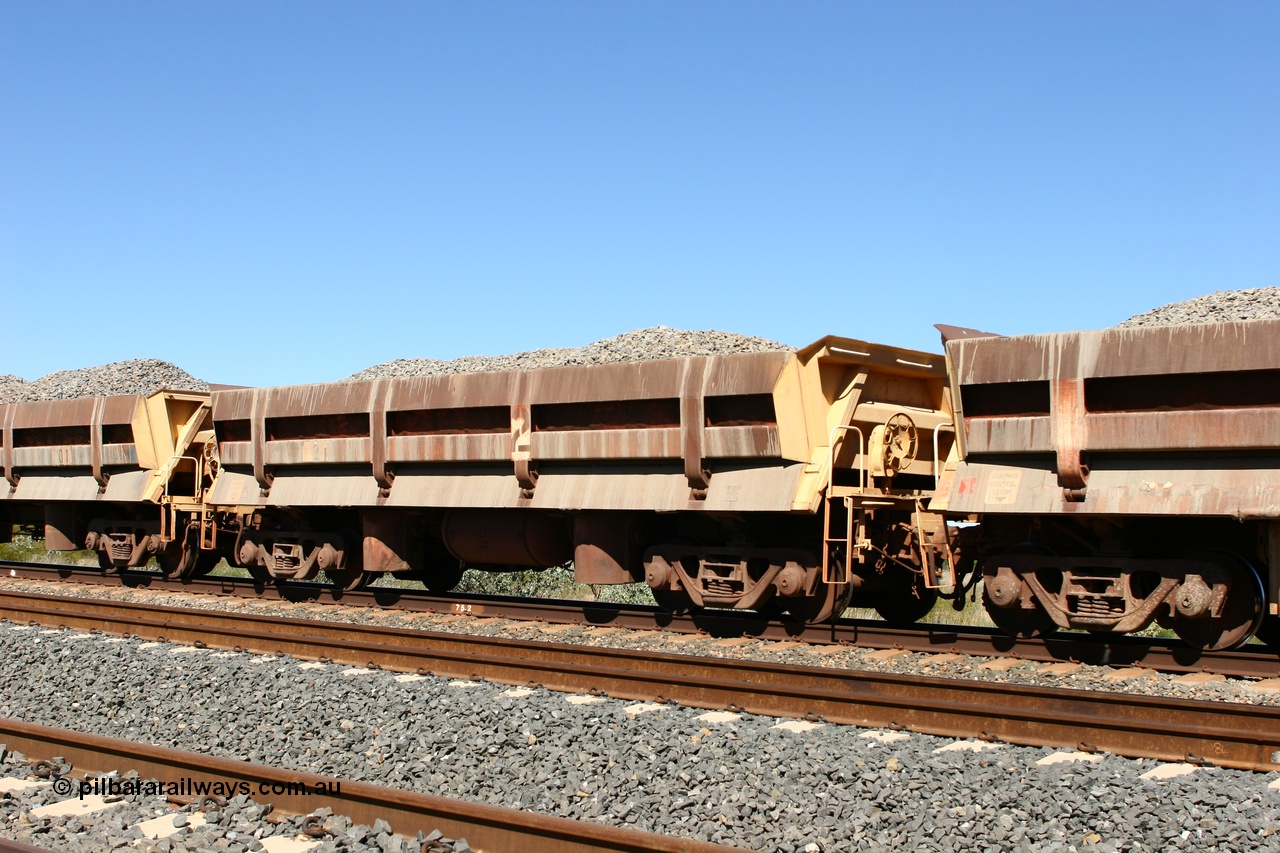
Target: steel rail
(1254, 661)
(486, 827)
(1227, 734)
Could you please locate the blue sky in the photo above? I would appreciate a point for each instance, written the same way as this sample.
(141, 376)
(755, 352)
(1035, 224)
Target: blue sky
(292, 191)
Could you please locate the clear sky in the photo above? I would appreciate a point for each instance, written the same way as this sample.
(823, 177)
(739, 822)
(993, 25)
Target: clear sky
(269, 193)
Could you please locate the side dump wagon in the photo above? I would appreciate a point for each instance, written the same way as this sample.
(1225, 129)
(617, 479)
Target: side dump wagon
(124, 476)
(1124, 476)
(731, 481)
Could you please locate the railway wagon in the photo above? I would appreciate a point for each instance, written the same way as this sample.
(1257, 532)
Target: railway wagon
(1121, 477)
(774, 481)
(122, 476)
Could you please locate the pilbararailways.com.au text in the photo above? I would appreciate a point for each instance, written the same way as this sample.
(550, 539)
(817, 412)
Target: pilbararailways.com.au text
(112, 786)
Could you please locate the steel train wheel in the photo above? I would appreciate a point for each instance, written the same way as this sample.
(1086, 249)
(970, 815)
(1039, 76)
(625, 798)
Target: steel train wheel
(440, 579)
(1022, 622)
(177, 561)
(906, 598)
(826, 606)
(670, 600)
(1269, 632)
(1242, 613)
(349, 580)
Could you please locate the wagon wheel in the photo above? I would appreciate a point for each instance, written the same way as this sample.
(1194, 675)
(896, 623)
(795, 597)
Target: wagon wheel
(184, 559)
(672, 600)
(905, 598)
(177, 561)
(1242, 612)
(826, 605)
(441, 578)
(1269, 632)
(1021, 622)
(348, 580)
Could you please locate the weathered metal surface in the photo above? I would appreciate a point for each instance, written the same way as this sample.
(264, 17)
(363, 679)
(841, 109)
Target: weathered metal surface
(85, 449)
(607, 444)
(1087, 412)
(731, 488)
(74, 456)
(63, 527)
(454, 487)
(602, 552)
(1228, 734)
(6, 445)
(44, 414)
(493, 537)
(234, 488)
(1142, 351)
(1008, 435)
(127, 487)
(449, 448)
(734, 488)
(294, 488)
(1223, 486)
(329, 451)
(1244, 429)
(675, 428)
(54, 488)
(293, 792)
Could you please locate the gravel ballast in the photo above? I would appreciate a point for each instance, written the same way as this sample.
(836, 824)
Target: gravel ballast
(127, 817)
(1142, 681)
(639, 345)
(737, 779)
(137, 376)
(1259, 303)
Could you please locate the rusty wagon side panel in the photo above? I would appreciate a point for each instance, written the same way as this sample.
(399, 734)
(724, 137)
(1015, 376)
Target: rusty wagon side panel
(1170, 430)
(738, 433)
(62, 458)
(1178, 420)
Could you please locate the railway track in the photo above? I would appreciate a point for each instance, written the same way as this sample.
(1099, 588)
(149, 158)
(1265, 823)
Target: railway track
(486, 827)
(1252, 661)
(1225, 734)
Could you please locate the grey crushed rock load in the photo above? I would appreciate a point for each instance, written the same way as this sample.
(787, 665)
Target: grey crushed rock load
(1260, 303)
(11, 387)
(136, 376)
(639, 345)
